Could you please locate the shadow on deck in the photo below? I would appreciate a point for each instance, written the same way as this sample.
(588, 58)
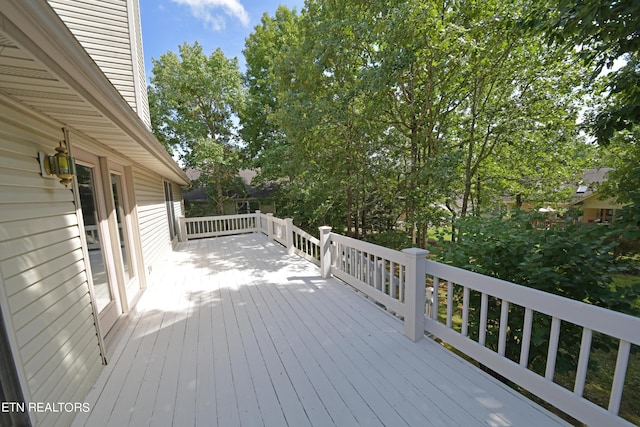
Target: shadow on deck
(240, 333)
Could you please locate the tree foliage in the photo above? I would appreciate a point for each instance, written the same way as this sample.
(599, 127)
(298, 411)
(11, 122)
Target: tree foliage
(372, 114)
(604, 32)
(565, 258)
(193, 100)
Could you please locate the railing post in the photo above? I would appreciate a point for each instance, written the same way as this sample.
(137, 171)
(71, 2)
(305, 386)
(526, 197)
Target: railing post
(182, 224)
(258, 223)
(325, 251)
(414, 293)
(289, 235)
(270, 226)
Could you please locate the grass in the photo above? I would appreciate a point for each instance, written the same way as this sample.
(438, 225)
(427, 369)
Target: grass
(598, 386)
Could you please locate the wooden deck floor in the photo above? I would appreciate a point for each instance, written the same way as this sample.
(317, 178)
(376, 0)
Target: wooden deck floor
(241, 334)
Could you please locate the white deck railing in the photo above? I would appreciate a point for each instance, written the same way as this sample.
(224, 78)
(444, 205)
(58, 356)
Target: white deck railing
(397, 280)
(622, 328)
(214, 226)
(280, 230)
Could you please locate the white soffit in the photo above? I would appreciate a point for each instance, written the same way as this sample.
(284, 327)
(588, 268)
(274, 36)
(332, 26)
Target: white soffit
(44, 67)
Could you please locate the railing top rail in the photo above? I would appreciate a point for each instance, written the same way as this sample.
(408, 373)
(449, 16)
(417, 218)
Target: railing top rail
(218, 217)
(370, 248)
(306, 235)
(599, 319)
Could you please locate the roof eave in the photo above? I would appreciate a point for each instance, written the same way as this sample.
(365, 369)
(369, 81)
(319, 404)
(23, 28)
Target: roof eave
(39, 30)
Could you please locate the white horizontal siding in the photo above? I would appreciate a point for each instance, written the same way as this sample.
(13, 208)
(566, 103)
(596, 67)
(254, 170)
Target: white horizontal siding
(153, 223)
(46, 296)
(178, 205)
(141, 80)
(102, 27)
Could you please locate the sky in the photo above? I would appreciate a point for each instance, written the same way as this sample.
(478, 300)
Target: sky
(166, 24)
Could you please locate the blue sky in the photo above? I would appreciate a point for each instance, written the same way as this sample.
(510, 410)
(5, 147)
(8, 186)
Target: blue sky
(166, 24)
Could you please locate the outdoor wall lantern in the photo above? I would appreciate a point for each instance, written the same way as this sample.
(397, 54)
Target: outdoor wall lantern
(60, 164)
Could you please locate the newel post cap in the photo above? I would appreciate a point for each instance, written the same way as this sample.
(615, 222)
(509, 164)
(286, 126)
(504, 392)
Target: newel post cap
(416, 252)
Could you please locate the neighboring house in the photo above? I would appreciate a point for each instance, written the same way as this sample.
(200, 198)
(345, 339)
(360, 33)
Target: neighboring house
(246, 200)
(595, 207)
(74, 259)
(586, 197)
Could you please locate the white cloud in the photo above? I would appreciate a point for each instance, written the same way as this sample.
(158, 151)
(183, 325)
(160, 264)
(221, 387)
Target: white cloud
(205, 10)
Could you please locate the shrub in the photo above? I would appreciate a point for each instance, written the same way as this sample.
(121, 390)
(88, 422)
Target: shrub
(563, 257)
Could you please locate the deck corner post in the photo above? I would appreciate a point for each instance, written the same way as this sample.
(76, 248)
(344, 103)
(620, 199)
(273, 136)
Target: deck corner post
(270, 226)
(289, 235)
(182, 224)
(325, 251)
(258, 222)
(415, 293)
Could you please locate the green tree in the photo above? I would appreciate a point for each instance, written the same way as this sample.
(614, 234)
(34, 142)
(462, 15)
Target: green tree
(521, 111)
(606, 33)
(267, 52)
(465, 90)
(603, 31)
(193, 100)
(371, 112)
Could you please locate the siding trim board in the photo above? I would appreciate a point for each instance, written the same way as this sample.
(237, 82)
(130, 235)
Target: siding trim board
(13, 346)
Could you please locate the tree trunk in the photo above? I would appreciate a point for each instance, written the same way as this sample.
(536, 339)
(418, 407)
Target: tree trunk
(220, 194)
(349, 211)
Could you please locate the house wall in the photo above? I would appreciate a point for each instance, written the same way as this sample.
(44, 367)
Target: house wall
(44, 293)
(140, 78)
(44, 288)
(178, 202)
(110, 32)
(152, 217)
(594, 202)
(590, 215)
(593, 208)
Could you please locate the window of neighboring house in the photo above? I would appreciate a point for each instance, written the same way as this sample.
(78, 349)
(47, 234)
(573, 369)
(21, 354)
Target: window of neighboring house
(606, 215)
(248, 206)
(582, 189)
(171, 215)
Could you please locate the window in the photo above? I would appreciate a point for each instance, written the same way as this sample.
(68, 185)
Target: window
(247, 206)
(171, 215)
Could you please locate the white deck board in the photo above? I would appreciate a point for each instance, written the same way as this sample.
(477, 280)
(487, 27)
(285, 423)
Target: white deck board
(239, 333)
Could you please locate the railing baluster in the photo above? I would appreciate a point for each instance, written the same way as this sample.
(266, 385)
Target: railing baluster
(526, 337)
(504, 320)
(583, 361)
(465, 311)
(346, 251)
(366, 269)
(449, 303)
(618, 377)
(434, 307)
(352, 261)
(554, 339)
(392, 282)
(402, 270)
(484, 305)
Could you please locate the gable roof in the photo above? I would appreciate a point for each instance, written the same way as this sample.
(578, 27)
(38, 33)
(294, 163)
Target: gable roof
(43, 66)
(587, 186)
